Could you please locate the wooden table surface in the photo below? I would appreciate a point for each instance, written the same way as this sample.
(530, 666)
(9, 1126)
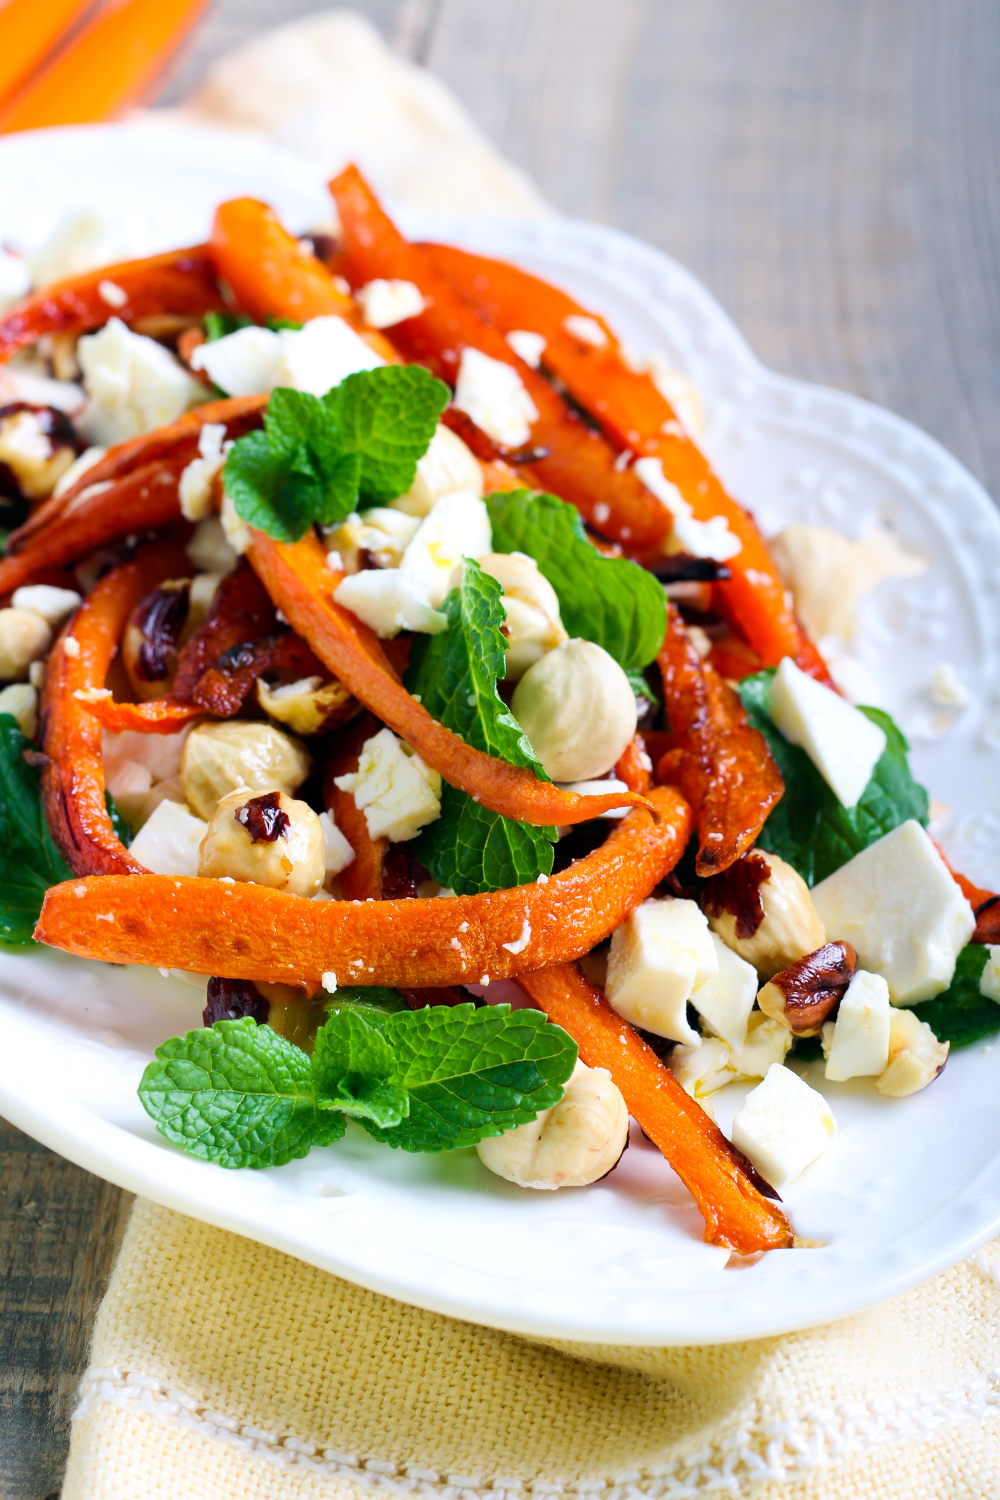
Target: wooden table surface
(832, 173)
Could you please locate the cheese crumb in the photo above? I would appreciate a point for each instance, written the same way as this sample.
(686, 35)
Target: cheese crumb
(329, 982)
(947, 689)
(527, 346)
(115, 296)
(586, 331)
(493, 395)
(710, 538)
(385, 303)
(522, 942)
(397, 792)
(71, 646)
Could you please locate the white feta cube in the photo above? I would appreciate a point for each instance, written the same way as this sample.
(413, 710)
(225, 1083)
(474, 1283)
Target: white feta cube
(457, 527)
(989, 980)
(897, 903)
(767, 1043)
(658, 954)
(337, 851)
(527, 346)
(244, 363)
(321, 354)
(783, 1126)
(53, 604)
(494, 396)
(841, 742)
(134, 384)
(724, 1000)
(447, 466)
(385, 303)
(859, 1043)
(585, 330)
(392, 786)
(700, 1071)
(169, 840)
(388, 601)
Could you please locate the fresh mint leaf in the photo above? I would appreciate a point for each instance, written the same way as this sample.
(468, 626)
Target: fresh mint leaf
(373, 1001)
(608, 600)
(219, 324)
(29, 860)
(469, 848)
(810, 828)
(354, 1069)
(473, 1073)
(238, 1094)
(318, 458)
(118, 823)
(961, 1015)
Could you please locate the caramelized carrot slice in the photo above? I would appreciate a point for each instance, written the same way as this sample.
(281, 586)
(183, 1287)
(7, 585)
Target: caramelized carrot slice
(736, 1213)
(635, 767)
(73, 778)
(252, 932)
(721, 764)
(181, 281)
(635, 416)
(302, 586)
(161, 716)
(579, 464)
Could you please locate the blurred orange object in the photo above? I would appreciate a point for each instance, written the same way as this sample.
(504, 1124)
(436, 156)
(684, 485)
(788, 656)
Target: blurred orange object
(106, 68)
(28, 31)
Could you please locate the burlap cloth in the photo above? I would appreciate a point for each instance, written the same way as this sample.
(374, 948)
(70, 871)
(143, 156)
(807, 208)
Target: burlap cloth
(221, 1368)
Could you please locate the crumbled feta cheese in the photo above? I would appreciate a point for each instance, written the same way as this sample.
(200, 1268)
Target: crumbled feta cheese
(337, 852)
(386, 303)
(783, 1126)
(329, 982)
(859, 1043)
(457, 527)
(383, 532)
(20, 700)
(168, 842)
(321, 354)
(71, 645)
(198, 479)
(53, 604)
(725, 999)
(842, 743)
(899, 906)
(598, 789)
(134, 384)
(88, 458)
(586, 331)
(208, 548)
(244, 363)
(520, 943)
(447, 466)
(710, 538)
(700, 1071)
(658, 954)
(392, 786)
(767, 1043)
(989, 980)
(947, 689)
(388, 601)
(234, 528)
(493, 395)
(527, 346)
(113, 295)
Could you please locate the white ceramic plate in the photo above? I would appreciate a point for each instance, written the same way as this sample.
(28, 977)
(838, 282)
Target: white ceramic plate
(911, 1185)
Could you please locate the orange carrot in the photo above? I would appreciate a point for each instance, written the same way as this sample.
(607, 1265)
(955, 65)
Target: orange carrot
(252, 932)
(301, 584)
(73, 778)
(634, 768)
(985, 904)
(721, 1181)
(161, 716)
(27, 31)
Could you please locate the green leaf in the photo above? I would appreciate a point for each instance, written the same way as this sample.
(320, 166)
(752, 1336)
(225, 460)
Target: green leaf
(29, 860)
(961, 1015)
(810, 828)
(355, 1071)
(387, 417)
(608, 600)
(473, 1073)
(469, 848)
(219, 324)
(641, 688)
(118, 823)
(238, 1094)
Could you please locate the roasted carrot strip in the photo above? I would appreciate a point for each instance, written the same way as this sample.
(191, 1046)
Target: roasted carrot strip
(73, 778)
(635, 416)
(182, 281)
(635, 767)
(161, 716)
(579, 465)
(297, 578)
(720, 763)
(252, 932)
(736, 1214)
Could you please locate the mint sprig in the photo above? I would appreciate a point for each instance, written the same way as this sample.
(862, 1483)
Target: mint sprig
(29, 860)
(608, 600)
(468, 848)
(318, 457)
(962, 1015)
(430, 1080)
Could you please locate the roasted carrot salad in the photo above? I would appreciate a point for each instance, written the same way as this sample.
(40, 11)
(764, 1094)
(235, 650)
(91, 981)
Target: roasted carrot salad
(376, 631)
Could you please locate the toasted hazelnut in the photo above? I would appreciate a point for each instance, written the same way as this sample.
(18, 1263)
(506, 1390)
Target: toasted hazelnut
(762, 909)
(916, 1057)
(269, 839)
(152, 637)
(578, 710)
(308, 706)
(37, 446)
(533, 625)
(20, 700)
(24, 637)
(446, 467)
(804, 994)
(219, 758)
(573, 1144)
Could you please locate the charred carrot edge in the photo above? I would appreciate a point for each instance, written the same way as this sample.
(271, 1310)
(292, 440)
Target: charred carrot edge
(721, 764)
(177, 442)
(579, 465)
(635, 416)
(73, 778)
(181, 281)
(252, 932)
(736, 1214)
(300, 583)
(635, 767)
